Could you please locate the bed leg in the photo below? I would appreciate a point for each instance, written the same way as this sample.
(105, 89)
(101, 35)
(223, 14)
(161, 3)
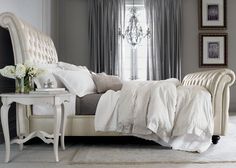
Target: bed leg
(215, 139)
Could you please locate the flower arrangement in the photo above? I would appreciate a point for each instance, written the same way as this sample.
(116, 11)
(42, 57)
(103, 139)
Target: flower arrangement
(23, 74)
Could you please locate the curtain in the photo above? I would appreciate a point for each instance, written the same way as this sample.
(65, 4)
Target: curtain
(165, 44)
(104, 22)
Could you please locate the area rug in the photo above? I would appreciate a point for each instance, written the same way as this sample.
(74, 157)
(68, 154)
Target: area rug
(134, 153)
(224, 151)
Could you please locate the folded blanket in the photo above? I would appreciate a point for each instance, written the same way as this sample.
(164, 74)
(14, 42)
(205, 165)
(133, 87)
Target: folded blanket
(159, 111)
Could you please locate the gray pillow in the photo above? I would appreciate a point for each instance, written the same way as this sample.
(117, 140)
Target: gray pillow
(106, 82)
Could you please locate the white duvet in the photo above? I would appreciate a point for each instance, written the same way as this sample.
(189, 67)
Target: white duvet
(171, 115)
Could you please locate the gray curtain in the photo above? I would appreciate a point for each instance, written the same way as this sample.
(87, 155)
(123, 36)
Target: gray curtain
(165, 44)
(104, 22)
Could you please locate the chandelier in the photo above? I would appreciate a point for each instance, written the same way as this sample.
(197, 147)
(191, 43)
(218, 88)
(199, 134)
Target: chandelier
(134, 32)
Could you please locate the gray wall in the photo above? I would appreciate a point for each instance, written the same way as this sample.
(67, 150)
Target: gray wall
(73, 33)
(29, 10)
(74, 36)
(190, 40)
(42, 14)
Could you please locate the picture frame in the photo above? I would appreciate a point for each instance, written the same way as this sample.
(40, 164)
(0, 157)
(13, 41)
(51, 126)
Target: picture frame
(212, 14)
(213, 49)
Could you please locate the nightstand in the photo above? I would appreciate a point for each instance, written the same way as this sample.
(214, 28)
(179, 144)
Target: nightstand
(59, 100)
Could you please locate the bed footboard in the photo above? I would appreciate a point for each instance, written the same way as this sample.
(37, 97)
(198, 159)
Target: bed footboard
(218, 83)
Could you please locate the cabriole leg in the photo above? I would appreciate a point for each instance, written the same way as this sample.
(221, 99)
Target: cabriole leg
(5, 128)
(63, 124)
(57, 130)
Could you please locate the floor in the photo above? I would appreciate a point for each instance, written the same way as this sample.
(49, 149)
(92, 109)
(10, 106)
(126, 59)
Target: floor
(52, 165)
(40, 155)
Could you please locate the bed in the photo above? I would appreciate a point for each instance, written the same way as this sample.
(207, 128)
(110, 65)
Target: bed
(31, 44)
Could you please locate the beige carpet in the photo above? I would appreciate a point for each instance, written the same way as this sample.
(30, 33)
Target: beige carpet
(125, 156)
(224, 151)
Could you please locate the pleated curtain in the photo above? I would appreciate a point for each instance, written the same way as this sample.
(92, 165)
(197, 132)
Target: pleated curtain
(165, 44)
(104, 23)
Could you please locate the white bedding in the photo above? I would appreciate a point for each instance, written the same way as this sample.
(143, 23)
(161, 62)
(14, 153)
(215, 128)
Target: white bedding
(162, 111)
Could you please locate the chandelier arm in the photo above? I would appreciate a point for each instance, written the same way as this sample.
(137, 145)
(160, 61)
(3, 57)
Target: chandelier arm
(134, 32)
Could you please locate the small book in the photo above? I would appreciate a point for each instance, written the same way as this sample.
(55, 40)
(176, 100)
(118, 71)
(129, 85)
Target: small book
(50, 89)
(48, 93)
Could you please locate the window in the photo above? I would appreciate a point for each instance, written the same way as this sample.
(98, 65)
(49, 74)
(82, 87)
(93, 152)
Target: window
(134, 59)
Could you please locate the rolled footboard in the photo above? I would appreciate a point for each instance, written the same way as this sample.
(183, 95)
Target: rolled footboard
(217, 82)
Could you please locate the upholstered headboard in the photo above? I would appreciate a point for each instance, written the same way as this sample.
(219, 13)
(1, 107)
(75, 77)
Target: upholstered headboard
(218, 83)
(29, 44)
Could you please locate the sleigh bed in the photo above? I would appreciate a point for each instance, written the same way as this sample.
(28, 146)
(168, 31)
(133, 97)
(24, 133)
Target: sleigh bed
(31, 45)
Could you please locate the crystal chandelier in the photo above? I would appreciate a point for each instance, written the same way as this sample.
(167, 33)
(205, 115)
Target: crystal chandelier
(134, 32)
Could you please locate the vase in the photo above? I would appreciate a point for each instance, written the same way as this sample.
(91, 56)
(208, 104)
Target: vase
(24, 85)
(18, 85)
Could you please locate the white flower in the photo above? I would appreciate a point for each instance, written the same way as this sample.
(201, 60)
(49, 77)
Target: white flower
(34, 72)
(8, 71)
(20, 71)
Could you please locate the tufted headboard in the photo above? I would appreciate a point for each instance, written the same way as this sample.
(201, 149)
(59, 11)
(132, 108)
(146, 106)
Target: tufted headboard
(29, 44)
(218, 83)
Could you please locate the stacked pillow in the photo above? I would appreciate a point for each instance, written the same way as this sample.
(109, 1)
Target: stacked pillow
(106, 82)
(77, 79)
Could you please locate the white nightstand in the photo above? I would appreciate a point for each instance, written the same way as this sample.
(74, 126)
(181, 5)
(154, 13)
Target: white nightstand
(58, 100)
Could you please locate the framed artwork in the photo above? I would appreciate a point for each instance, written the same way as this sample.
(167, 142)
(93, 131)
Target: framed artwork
(213, 50)
(212, 14)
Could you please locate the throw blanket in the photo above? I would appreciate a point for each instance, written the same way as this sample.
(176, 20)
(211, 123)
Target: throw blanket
(162, 111)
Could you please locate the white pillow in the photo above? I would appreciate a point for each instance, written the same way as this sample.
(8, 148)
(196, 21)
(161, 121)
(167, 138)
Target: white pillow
(48, 75)
(77, 82)
(72, 67)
